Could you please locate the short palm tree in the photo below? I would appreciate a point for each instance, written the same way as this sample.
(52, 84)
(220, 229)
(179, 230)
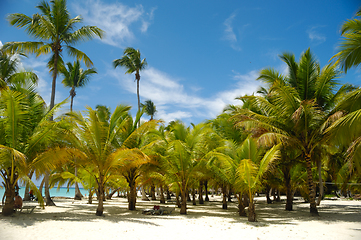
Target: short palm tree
(255, 162)
(10, 73)
(55, 29)
(133, 63)
(349, 54)
(75, 77)
(25, 133)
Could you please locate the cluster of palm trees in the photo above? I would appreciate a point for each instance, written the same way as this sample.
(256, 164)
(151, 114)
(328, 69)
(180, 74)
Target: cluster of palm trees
(300, 129)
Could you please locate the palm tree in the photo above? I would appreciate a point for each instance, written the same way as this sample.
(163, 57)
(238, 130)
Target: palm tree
(150, 108)
(25, 133)
(296, 109)
(75, 77)
(10, 73)
(349, 54)
(133, 63)
(55, 29)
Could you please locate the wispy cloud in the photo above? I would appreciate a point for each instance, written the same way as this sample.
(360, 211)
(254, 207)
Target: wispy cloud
(229, 34)
(173, 101)
(116, 19)
(315, 36)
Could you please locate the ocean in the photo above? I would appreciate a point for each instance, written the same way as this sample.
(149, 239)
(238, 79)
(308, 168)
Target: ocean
(54, 192)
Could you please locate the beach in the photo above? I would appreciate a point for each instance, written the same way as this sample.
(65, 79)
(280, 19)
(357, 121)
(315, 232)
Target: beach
(70, 219)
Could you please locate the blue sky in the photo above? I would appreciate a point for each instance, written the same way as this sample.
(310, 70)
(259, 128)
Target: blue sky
(200, 54)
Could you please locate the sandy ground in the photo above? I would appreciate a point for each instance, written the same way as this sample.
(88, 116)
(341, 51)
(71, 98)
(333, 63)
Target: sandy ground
(339, 219)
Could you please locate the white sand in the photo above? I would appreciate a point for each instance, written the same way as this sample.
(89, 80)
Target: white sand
(340, 219)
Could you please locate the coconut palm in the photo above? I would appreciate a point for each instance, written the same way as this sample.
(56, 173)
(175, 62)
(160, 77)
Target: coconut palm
(25, 132)
(250, 170)
(133, 63)
(75, 77)
(10, 73)
(55, 30)
(349, 54)
(150, 108)
(297, 109)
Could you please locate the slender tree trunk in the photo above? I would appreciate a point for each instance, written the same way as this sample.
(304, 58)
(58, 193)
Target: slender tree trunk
(224, 192)
(319, 168)
(49, 201)
(313, 208)
(289, 193)
(251, 211)
(245, 200)
(72, 95)
(100, 208)
(269, 201)
(162, 199)
(206, 190)
(230, 195)
(183, 200)
(200, 194)
(188, 196)
(152, 192)
(144, 195)
(55, 49)
(241, 210)
(90, 198)
(78, 195)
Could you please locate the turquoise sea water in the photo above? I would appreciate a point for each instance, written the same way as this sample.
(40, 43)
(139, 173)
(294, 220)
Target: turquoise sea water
(54, 192)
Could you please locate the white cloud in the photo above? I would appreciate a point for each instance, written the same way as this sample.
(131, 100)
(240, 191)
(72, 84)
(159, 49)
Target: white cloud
(315, 36)
(116, 19)
(229, 34)
(174, 102)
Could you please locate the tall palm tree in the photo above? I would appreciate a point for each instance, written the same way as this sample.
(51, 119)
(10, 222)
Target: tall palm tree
(75, 77)
(349, 54)
(55, 30)
(133, 63)
(150, 108)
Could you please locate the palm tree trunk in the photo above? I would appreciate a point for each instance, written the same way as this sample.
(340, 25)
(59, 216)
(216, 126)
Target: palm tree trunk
(183, 200)
(206, 190)
(100, 208)
(289, 193)
(168, 194)
(224, 192)
(194, 197)
(8, 207)
(162, 199)
(90, 198)
(241, 207)
(177, 200)
(152, 191)
(251, 211)
(269, 201)
(55, 74)
(132, 195)
(200, 194)
(49, 201)
(313, 208)
(78, 195)
(144, 195)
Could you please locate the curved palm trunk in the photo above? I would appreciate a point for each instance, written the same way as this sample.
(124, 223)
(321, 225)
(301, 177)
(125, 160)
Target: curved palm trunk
(49, 201)
(313, 208)
(194, 197)
(90, 198)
